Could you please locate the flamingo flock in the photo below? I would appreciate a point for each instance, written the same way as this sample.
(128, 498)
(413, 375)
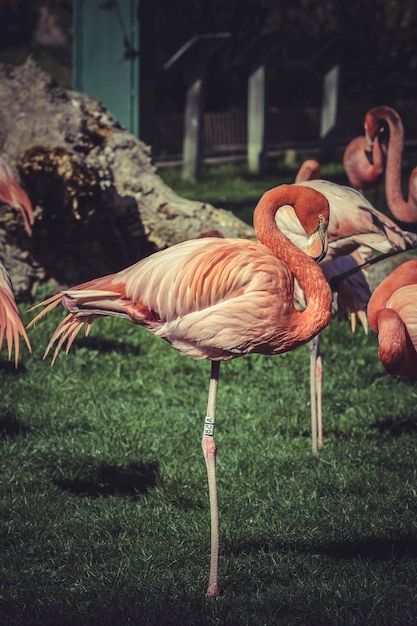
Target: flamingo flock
(356, 231)
(364, 161)
(219, 298)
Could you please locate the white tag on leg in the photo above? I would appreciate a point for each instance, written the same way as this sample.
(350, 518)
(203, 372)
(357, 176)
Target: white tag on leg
(209, 426)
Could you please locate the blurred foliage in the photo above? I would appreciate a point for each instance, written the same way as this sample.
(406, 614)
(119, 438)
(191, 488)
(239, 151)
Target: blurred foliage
(376, 43)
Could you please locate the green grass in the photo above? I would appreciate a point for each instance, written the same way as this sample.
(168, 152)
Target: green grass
(230, 186)
(104, 507)
(104, 515)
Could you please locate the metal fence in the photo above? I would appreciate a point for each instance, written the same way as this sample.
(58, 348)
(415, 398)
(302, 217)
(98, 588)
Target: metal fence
(226, 133)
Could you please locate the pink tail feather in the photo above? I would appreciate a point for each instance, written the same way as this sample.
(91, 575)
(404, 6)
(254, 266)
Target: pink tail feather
(11, 327)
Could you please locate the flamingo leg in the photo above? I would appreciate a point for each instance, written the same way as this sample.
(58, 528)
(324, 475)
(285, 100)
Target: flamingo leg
(314, 351)
(319, 395)
(209, 448)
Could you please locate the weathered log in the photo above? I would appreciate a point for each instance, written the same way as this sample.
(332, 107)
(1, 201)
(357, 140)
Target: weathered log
(99, 202)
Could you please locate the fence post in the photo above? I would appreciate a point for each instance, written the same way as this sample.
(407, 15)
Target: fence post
(329, 110)
(257, 118)
(192, 58)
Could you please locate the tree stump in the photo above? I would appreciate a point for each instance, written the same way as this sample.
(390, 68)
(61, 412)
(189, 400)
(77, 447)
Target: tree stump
(99, 203)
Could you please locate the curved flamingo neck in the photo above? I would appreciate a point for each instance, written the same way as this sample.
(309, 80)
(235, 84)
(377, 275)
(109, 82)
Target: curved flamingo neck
(379, 154)
(412, 193)
(401, 209)
(310, 209)
(309, 170)
(309, 206)
(405, 274)
(396, 351)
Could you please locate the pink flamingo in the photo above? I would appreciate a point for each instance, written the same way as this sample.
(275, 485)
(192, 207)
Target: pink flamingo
(353, 292)
(403, 210)
(362, 171)
(354, 225)
(217, 299)
(352, 296)
(309, 170)
(392, 313)
(11, 327)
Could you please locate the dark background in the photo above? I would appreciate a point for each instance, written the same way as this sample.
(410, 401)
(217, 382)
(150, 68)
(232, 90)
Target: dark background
(376, 41)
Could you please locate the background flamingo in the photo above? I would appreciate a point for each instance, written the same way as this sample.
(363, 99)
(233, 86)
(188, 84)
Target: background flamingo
(362, 171)
(309, 170)
(11, 326)
(218, 299)
(352, 297)
(354, 225)
(392, 313)
(353, 294)
(403, 210)
(354, 222)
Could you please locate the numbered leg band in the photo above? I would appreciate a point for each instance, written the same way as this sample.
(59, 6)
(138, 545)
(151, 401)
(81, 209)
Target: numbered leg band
(209, 426)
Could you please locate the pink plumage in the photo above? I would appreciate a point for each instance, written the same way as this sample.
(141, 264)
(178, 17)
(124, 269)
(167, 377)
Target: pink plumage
(218, 298)
(392, 313)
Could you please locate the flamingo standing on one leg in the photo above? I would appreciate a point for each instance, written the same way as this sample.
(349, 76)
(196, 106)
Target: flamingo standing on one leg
(392, 313)
(363, 172)
(218, 299)
(11, 326)
(403, 210)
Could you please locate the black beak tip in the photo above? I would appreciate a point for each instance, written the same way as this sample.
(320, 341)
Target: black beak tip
(369, 156)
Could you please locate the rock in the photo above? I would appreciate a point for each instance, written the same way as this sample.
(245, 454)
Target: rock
(98, 200)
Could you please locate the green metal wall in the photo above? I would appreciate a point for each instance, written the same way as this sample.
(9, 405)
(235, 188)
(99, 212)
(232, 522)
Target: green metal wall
(106, 56)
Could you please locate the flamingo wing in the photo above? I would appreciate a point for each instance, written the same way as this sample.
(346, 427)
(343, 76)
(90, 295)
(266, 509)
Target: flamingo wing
(355, 222)
(354, 291)
(185, 293)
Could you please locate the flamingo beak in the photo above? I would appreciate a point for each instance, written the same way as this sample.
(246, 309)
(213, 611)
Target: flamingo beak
(368, 149)
(369, 156)
(317, 243)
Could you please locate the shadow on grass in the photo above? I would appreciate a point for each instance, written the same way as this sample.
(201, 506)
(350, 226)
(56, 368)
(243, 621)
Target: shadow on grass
(107, 346)
(393, 427)
(372, 548)
(11, 427)
(397, 427)
(116, 607)
(109, 480)
(8, 367)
